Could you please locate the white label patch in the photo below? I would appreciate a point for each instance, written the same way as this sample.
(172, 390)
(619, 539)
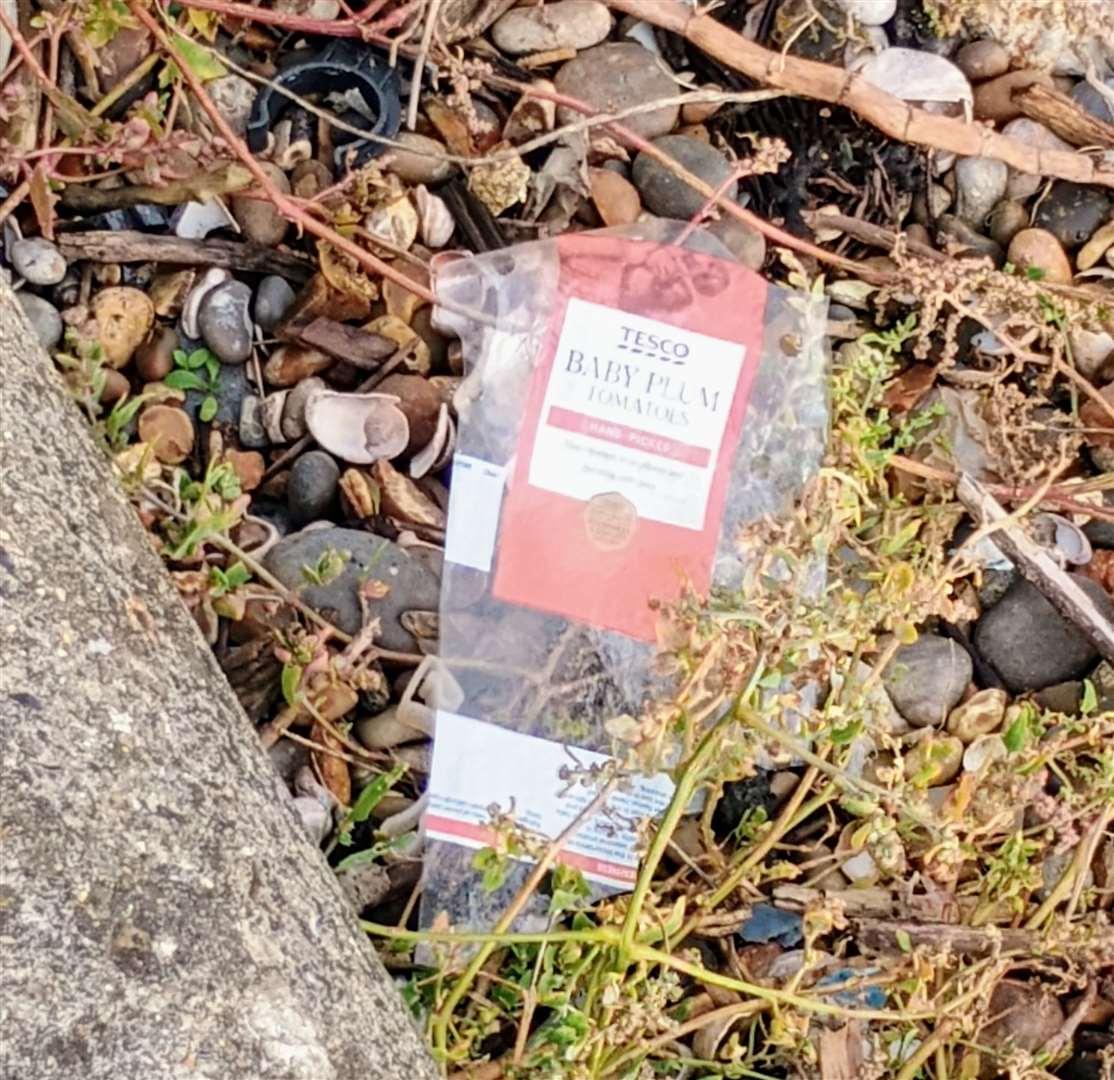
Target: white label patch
(477, 765)
(638, 407)
(475, 499)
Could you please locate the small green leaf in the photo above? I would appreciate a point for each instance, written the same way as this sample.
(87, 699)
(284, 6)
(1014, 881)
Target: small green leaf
(372, 793)
(291, 678)
(904, 943)
(1034, 273)
(237, 574)
(202, 61)
(842, 736)
(196, 359)
(212, 366)
(1017, 734)
(1090, 701)
(208, 409)
(185, 380)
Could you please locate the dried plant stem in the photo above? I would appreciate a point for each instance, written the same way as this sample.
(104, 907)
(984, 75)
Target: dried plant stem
(348, 28)
(834, 85)
(1084, 852)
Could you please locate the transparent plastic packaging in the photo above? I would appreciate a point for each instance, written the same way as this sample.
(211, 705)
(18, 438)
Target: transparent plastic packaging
(628, 402)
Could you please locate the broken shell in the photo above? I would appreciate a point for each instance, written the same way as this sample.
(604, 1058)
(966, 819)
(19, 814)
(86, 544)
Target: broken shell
(168, 292)
(357, 428)
(270, 415)
(421, 624)
(395, 223)
(446, 386)
(359, 494)
(1071, 541)
(428, 458)
(208, 281)
(168, 431)
(437, 222)
(984, 750)
(531, 115)
(401, 498)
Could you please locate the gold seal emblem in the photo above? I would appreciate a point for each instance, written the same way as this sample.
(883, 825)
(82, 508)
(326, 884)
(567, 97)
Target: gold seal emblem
(610, 520)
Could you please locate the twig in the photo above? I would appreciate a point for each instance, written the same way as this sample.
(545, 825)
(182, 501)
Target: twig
(1037, 565)
(1053, 1047)
(419, 63)
(106, 246)
(939, 1036)
(349, 28)
(1060, 114)
(823, 82)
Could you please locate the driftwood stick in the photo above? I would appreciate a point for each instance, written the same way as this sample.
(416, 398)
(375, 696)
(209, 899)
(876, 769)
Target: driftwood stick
(1059, 113)
(106, 246)
(1037, 565)
(890, 115)
(881, 935)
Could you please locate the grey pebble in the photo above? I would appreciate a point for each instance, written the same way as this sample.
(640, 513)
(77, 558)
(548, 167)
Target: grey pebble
(253, 436)
(224, 322)
(43, 317)
(273, 297)
(925, 680)
(233, 385)
(413, 582)
(666, 194)
(1030, 644)
(312, 485)
(950, 226)
(980, 184)
(38, 261)
(1073, 212)
(1100, 533)
(1087, 97)
(233, 97)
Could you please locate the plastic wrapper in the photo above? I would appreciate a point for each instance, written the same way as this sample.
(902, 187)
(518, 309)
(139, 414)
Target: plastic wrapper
(630, 398)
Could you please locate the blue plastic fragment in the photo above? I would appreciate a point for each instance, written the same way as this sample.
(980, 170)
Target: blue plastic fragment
(869, 997)
(770, 924)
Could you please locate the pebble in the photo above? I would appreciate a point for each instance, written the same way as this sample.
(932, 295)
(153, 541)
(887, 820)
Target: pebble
(154, 359)
(1100, 533)
(38, 261)
(870, 12)
(421, 162)
(233, 386)
(248, 466)
(252, 433)
(258, 219)
(168, 431)
(43, 317)
(1028, 1016)
(745, 243)
(1087, 97)
(613, 77)
(233, 97)
(121, 55)
(1022, 185)
(191, 304)
(365, 885)
(288, 365)
(312, 486)
(615, 198)
(950, 227)
(668, 195)
(309, 178)
(980, 714)
(1093, 353)
(1007, 219)
(925, 680)
(565, 24)
(994, 100)
(414, 584)
(915, 75)
(1073, 212)
(1030, 644)
(124, 317)
(1039, 249)
(1065, 697)
(273, 297)
(224, 323)
(294, 409)
(982, 60)
(980, 184)
(940, 199)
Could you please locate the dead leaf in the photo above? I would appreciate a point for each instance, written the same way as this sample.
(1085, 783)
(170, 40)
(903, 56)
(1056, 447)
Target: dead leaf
(909, 387)
(451, 126)
(501, 184)
(841, 1053)
(332, 770)
(42, 200)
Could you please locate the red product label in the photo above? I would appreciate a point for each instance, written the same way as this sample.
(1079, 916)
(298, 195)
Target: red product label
(632, 421)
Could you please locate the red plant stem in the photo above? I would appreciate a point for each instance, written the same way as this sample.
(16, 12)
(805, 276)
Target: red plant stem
(22, 48)
(357, 27)
(285, 206)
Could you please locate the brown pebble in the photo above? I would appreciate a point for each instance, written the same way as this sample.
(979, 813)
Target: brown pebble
(746, 243)
(124, 317)
(168, 431)
(982, 60)
(248, 466)
(994, 99)
(310, 178)
(257, 217)
(696, 112)
(615, 198)
(288, 365)
(1007, 219)
(115, 387)
(154, 359)
(1040, 250)
(919, 234)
